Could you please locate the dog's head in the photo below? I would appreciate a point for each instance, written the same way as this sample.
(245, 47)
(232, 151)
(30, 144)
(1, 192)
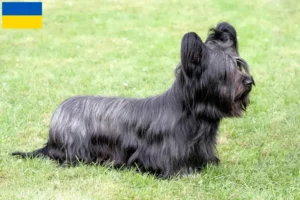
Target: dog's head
(219, 79)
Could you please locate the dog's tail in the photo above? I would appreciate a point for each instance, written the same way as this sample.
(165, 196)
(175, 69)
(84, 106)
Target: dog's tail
(42, 152)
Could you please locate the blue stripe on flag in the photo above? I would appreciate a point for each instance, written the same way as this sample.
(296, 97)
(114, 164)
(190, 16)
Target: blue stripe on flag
(21, 8)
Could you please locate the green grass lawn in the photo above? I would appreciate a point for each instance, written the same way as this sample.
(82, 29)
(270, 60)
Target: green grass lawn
(131, 48)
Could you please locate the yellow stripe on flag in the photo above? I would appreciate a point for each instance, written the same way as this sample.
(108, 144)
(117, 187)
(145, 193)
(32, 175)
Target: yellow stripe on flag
(21, 21)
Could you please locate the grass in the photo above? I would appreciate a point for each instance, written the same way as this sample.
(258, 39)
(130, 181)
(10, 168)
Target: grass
(130, 48)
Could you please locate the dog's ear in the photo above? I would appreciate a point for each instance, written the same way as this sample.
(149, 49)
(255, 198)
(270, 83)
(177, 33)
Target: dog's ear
(192, 52)
(227, 32)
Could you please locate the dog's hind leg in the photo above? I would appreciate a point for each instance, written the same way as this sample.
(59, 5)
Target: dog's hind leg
(42, 152)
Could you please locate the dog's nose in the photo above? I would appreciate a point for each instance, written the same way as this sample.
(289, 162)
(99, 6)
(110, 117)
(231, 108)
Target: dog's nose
(248, 82)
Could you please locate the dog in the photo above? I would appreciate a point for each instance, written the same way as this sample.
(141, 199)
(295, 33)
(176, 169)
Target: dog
(169, 134)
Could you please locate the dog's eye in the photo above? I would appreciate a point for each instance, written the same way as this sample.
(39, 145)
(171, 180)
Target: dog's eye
(239, 67)
(242, 68)
(242, 65)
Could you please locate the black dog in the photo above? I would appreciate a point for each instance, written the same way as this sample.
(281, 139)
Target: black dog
(172, 133)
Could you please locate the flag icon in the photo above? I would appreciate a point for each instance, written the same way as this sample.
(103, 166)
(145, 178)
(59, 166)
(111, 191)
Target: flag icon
(22, 15)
